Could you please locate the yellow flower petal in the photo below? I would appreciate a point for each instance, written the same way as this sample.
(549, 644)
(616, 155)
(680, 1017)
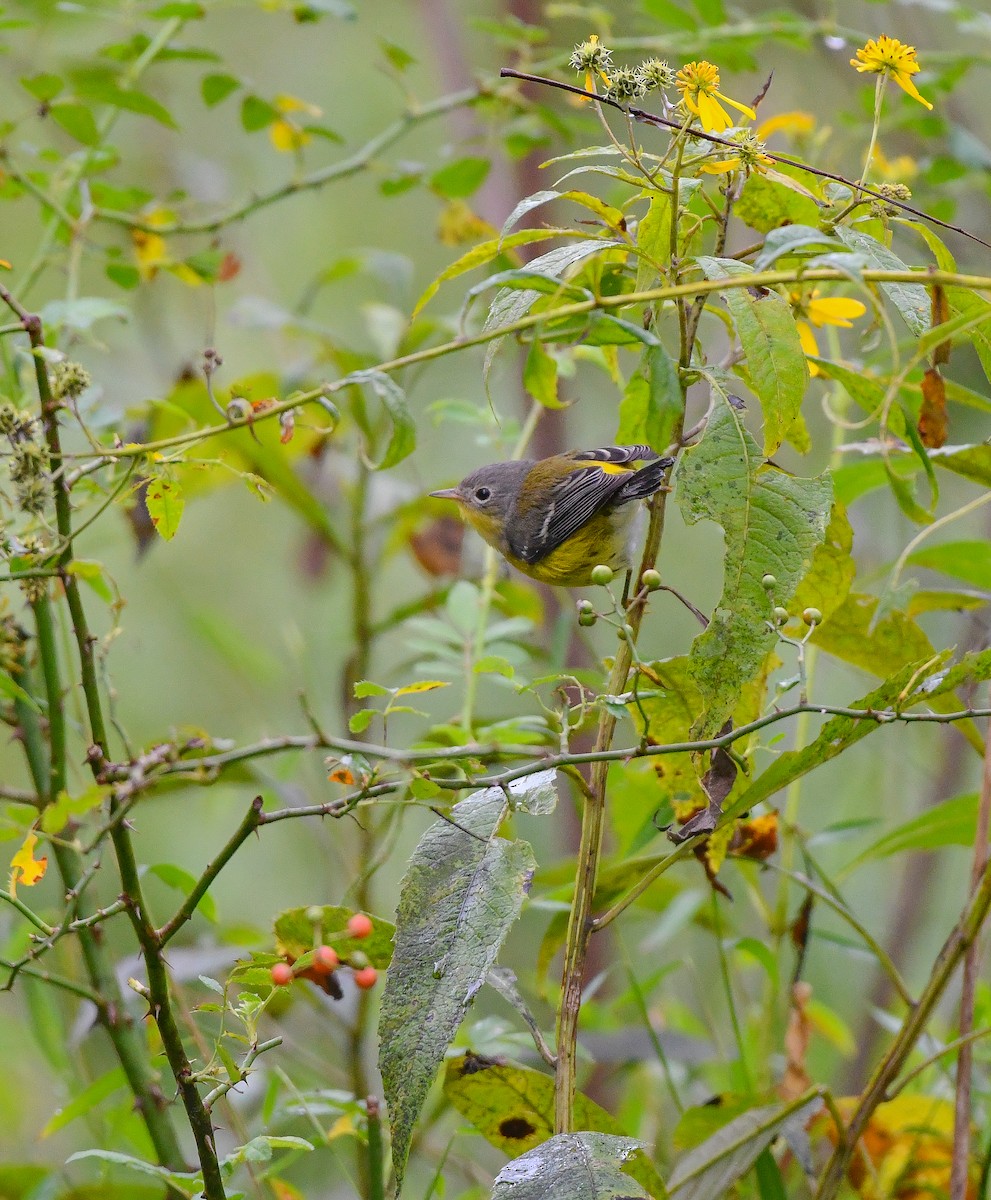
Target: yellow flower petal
(24, 867)
(714, 118)
(906, 84)
(721, 168)
(834, 310)
(789, 122)
(809, 343)
(744, 108)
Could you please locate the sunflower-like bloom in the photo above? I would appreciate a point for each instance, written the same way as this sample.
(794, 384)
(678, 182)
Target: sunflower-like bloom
(592, 58)
(748, 157)
(888, 56)
(817, 310)
(698, 83)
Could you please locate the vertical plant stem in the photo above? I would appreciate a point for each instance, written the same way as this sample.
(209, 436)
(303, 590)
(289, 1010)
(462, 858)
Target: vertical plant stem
(965, 1060)
(879, 86)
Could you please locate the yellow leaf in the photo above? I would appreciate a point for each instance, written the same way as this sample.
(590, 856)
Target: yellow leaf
(342, 1127)
(24, 867)
(425, 685)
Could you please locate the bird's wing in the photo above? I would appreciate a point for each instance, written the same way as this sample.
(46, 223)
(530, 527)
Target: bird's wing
(571, 501)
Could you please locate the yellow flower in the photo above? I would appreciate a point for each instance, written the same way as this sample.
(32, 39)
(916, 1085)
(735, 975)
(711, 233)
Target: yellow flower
(840, 311)
(698, 83)
(285, 134)
(888, 56)
(901, 168)
(24, 867)
(790, 122)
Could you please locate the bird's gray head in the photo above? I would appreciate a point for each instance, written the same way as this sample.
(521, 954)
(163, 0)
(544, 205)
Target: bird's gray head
(490, 491)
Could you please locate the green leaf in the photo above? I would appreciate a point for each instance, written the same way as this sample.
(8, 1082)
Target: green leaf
(653, 241)
(462, 891)
(184, 881)
(365, 688)
(571, 1166)
(972, 462)
(766, 204)
(296, 934)
(100, 90)
(13, 691)
(43, 87)
(831, 575)
(775, 358)
(788, 240)
(183, 1180)
(397, 56)
(76, 120)
(497, 1097)
(164, 501)
(402, 434)
(709, 1171)
(82, 313)
(652, 402)
(86, 1100)
(911, 299)
(461, 178)
(540, 376)
(950, 823)
(186, 10)
(359, 721)
(92, 574)
(969, 561)
(217, 87)
(257, 113)
(773, 523)
(259, 1149)
(56, 815)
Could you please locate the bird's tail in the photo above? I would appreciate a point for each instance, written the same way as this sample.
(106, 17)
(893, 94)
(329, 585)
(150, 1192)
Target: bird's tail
(645, 482)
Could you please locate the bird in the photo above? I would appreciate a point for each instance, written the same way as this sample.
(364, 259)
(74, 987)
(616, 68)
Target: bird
(557, 518)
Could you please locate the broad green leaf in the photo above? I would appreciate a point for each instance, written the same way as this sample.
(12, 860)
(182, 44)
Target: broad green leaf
(461, 178)
(20, 1181)
(462, 891)
(969, 561)
(105, 91)
(972, 462)
(710, 1170)
(831, 575)
(911, 299)
(402, 433)
(652, 402)
(773, 523)
(164, 501)
(76, 120)
(571, 1166)
(296, 934)
(775, 358)
(789, 239)
(882, 647)
(257, 113)
(44, 88)
(653, 241)
(182, 1180)
(513, 1109)
(951, 823)
(218, 87)
(766, 204)
(184, 881)
(259, 1149)
(540, 376)
(86, 1100)
(365, 688)
(92, 574)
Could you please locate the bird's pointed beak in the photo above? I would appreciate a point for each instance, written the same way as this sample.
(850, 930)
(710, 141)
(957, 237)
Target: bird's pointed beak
(446, 494)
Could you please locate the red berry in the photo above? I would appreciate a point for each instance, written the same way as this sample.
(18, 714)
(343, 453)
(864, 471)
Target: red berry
(325, 960)
(366, 977)
(360, 925)
(281, 974)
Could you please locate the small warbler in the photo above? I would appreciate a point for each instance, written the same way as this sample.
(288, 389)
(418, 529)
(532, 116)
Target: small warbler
(555, 519)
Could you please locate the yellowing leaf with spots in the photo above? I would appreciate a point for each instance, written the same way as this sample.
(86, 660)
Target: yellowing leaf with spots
(164, 501)
(24, 867)
(513, 1108)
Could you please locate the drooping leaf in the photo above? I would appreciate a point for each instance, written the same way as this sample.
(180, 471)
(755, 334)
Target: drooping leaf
(969, 561)
(513, 1109)
(709, 1171)
(462, 891)
(950, 823)
(571, 1166)
(773, 523)
(775, 359)
(910, 299)
(85, 1101)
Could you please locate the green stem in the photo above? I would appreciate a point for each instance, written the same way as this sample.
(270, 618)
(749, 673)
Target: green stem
(724, 974)
(48, 654)
(879, 86)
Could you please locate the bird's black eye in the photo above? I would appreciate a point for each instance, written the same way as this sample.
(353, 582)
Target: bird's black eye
(482, 493)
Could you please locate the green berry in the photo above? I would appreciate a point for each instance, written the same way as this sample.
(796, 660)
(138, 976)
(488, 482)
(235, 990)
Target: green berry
(780, 615)
(625, 633)
(602, 575)
(651, 579)
(586, 619)
(769, 583)
(812, 616)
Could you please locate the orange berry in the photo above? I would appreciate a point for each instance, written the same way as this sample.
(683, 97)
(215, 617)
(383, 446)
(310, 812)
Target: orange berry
(281, 974)
(360, 925)
(325, 960)
(366, 977)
